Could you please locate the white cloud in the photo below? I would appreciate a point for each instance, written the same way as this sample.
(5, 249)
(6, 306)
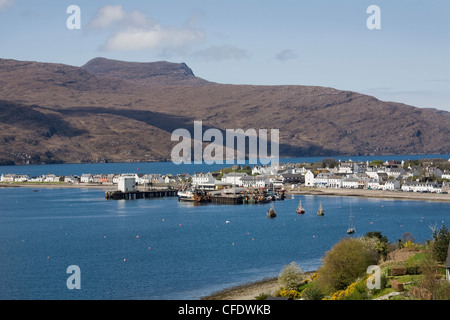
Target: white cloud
(133, 31)
(287, 54)
(5, 4)
(156, 37)
(107, 16)
(112, 16)
(219, 53)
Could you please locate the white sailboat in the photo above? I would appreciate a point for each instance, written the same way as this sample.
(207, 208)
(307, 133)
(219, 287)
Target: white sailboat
(321, 212)
(351, 228)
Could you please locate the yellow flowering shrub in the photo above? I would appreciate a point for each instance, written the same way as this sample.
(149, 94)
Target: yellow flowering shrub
(341, 294)
(315, 276)
(409, 244)
(293, 294)
(355, 291)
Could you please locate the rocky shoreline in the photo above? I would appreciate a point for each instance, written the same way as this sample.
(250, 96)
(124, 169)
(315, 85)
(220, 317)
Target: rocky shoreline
(247, 291)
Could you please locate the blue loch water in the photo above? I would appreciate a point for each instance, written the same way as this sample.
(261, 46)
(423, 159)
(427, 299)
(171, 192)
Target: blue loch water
(165, 249)
(171, 168)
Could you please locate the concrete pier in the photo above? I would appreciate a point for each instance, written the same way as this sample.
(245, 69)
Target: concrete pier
(227, 199)
(133, 195)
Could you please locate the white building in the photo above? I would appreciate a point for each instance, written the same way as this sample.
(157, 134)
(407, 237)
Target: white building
(86, 178)
(394, 172)
(37, 179)
(9, 177)
(156, 178)
(309, 178)
(235, 178)
(115, 179)
(255, 181)
(422, 187)
(335, 182)
(52, 178)
(374, 184)
(127, 183)
(351, 183)
(350, 167)
(170, 179)
(321, 179)
(292, 178)
(203, 178)
(391, 185)
(267, 170)
(71, 179)
(446, 175)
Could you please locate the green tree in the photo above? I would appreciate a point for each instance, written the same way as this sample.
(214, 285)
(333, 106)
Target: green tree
(378, 235)
(428, 267)
(381, 247)
(313, 292)
(441, 239)
(344, 263)
(376, 163)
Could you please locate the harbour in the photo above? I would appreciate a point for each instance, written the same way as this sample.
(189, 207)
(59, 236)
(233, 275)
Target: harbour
(183, 241)
(233, 196)
(169, 249)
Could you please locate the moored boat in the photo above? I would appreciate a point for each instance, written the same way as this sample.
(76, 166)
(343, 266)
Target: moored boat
(320, 212)
(202, 196)
(186, 195)
(300, 209)
(271, 213)
(351, 228)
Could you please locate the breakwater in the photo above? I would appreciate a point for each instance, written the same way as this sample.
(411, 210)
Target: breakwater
(133, 195)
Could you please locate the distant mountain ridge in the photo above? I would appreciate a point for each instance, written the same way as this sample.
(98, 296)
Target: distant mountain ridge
(115, 111)
(161, 72)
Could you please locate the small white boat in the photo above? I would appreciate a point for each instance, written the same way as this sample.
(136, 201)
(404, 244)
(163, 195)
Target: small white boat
(351, 228)
(186, 195)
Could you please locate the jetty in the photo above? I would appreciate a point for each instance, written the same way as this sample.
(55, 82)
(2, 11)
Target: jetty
(247, 196)
(136, 194)
(227, 199)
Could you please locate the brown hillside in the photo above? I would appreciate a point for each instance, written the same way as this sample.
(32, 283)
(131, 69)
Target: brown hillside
(122, 111)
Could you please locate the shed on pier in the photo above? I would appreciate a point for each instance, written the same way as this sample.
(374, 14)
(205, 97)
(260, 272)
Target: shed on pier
(127, 183)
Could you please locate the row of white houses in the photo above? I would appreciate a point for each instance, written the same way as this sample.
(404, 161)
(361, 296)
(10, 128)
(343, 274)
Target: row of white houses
(362, 181)
(424, 187)
(9, 177)
(239, 179)
(95, 178)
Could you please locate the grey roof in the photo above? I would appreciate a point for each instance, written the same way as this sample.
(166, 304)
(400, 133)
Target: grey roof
(235, 174)
(253, 178)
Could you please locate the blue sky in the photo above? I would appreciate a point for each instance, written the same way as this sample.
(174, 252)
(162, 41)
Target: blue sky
(313, 42)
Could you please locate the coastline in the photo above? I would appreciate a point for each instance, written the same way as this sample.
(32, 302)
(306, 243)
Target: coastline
(55, 185)
(395, 195)
(365, 193)
(249, 291)
(246, 291)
